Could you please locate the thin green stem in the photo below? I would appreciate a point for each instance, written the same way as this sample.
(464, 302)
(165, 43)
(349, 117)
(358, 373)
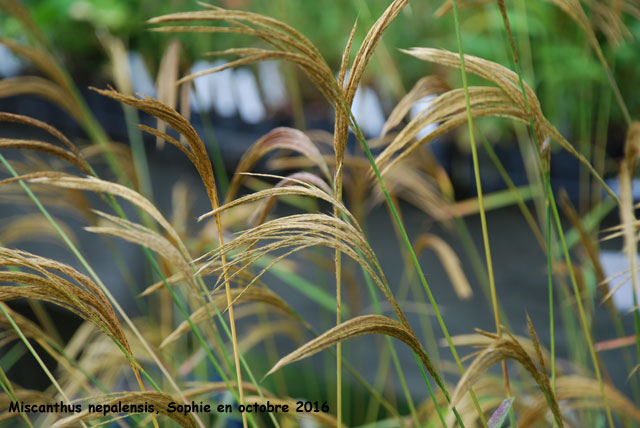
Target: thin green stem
(392, 351)
(6, 386)
(137, 150)
(476, 172)
(431, 394)
(552, 330)
(476, 169)
(548, 192)
(583, 318)
(407, 242)
(33, 352)
(103, 288)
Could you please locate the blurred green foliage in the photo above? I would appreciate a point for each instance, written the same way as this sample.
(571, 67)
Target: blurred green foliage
(560, 60)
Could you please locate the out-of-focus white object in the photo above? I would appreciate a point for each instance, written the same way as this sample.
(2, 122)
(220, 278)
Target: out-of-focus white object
(614, 262)
(422, 107)
(272, 85)
(140, 77)
(614, 184)
(367, 111)
(247, 96)
(10, 64)
(306, 421)
(213, 90)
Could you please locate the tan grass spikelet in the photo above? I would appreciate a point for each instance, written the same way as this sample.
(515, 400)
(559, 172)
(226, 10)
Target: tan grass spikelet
(100, 186)
(627, 211)
(201, 161)
(166, 81)
(288, 44)
(297, 232)
(119, 62)
(502, 348)
(449, 260)
(159, 400)
(239, 295)
(176, 278)
(44, 147)
(302, 184)
(33, 85)
(34, 332)
(509, 82)
(51, 130)
(291, 46)
(490, 388)
(405, 180)
(300, 231)
(368, 47)
(366, 324)
(32, 227)
(504, 78)
(341, 127)
(608, 18)
(80, 296)
(536, 345)
(26, 395)
(196, 151)
(632, 145)
(121, 152)
(307, 186)
(199, 388)
(146, 237)
(57, 200)
(16, 9)
(281, 138)
(579, 392)
(628, 218)
(448, 111)
(360, 62)
(41, 59)
(481, 341)
(270, 329)
(97, 355)
(355, 167)
(430, 85)
(169, 139)
(306, 177)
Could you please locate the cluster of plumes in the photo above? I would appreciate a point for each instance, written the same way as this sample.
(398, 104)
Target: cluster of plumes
(323, 164)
